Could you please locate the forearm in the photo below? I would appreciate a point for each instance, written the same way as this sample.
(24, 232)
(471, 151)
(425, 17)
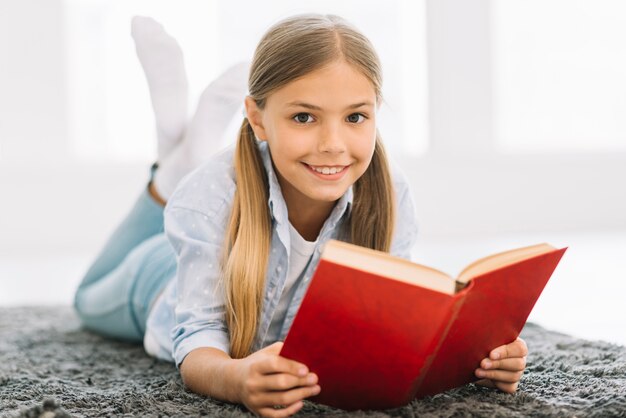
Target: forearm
(211, 372)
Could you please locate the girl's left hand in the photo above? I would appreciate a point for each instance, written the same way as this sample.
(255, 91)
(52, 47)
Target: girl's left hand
(504, 366)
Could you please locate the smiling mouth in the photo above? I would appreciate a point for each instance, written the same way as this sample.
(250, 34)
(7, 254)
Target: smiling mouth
(327, 169)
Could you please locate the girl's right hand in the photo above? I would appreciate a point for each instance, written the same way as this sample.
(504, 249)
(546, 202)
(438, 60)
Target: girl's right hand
(268, 381)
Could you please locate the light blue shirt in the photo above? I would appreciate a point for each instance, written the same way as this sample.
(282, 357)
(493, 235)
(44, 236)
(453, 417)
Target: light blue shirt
(191, 313)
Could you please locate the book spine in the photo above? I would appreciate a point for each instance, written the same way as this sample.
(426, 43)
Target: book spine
(446, 325)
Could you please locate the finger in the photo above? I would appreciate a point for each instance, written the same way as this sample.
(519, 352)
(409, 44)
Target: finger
(514, 364)
(287, 397)
(284, 381)
(274, 348)
(486, 383)
(282, 412)
(517, 348)
(507, 387)
(499, 375)
(278, 364)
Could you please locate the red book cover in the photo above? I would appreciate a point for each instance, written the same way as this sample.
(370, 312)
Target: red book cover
(376, 342)
(493, 311)
(353, 331)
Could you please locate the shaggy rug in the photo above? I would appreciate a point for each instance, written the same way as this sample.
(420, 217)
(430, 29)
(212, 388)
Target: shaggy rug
(49, 368)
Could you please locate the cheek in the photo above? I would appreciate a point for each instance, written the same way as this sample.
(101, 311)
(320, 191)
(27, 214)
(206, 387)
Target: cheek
(365, 145)
(292, 143)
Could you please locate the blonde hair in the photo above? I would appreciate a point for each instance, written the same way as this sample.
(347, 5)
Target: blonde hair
(289, 50)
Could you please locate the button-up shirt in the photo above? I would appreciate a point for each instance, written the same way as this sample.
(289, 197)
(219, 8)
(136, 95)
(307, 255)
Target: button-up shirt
(191, 313)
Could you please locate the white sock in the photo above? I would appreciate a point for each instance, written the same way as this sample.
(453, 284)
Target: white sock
(164, 67)
(219, 103)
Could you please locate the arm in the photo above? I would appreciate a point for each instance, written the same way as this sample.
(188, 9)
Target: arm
(504, 366)
(260, 381)
(195, 226)
(209, 371)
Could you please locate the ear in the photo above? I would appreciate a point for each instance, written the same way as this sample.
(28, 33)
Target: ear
(255, 118)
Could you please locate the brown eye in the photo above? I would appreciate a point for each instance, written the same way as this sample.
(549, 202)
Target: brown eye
(302, 118)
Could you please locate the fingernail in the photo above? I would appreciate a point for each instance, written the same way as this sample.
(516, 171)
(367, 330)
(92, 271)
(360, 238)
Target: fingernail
(317, 390)
(487, 364)
(302, 371)
(496, 355)
(481, 373)
(310, 379)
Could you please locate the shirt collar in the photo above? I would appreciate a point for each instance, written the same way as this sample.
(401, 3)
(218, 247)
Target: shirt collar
(276, 202)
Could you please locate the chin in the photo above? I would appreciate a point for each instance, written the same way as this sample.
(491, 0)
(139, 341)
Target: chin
(328, 197)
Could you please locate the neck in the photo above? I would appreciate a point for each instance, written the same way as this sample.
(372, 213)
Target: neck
(306, 215)
(308, 221)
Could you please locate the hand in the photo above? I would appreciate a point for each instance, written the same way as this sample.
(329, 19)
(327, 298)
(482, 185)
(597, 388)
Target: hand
(268, 380)
(504, 366)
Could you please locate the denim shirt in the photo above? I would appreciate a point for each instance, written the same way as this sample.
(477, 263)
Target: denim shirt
(191, 313)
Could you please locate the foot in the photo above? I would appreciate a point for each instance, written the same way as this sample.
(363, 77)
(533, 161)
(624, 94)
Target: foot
(163, 64)
(218, 105)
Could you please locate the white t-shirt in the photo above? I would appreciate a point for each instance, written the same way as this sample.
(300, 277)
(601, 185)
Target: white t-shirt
(299, 258)
(190, 313)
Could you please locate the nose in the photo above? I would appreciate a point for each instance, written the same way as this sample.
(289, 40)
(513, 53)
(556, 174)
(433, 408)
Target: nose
(332, 139)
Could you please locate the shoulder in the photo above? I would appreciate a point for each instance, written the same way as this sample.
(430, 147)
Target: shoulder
(406, 228)
(209, 188)
(400, 182)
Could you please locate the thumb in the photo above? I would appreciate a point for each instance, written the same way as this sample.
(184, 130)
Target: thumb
(274, 348)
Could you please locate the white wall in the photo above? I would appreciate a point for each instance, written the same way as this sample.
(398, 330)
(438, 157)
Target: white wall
(49, 203)
(33, 115)
(463, 185)
(466, 185)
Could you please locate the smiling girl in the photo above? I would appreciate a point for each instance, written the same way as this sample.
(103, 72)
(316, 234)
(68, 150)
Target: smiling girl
(218, 291)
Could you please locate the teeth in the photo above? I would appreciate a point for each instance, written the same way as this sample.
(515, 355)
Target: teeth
(327, 170)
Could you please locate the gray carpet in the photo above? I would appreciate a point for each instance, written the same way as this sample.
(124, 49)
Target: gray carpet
(50, 368)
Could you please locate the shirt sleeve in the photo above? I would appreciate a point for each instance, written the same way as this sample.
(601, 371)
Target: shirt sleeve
(197, 239)
(405, 230)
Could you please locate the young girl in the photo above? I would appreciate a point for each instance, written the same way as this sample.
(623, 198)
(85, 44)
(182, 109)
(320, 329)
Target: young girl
(217, 291)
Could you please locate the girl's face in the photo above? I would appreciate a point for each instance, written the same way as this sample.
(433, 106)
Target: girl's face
(321, 132)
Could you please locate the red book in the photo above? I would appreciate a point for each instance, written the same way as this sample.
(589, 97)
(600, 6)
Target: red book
(380, 331)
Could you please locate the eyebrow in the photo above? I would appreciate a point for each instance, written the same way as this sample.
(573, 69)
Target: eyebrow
(313, 107)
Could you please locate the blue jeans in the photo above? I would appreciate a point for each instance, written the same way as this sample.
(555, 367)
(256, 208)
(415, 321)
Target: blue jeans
(137, 262)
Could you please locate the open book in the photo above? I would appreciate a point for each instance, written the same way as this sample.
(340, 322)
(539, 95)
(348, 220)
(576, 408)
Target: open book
(380, 331)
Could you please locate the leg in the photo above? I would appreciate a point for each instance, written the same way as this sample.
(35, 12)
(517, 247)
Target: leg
(136, 263)
(162, 61)
(118, 304)
(144, 220)
(115, 295)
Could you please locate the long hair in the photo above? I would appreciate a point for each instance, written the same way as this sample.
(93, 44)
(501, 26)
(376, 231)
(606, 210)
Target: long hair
(289, 50)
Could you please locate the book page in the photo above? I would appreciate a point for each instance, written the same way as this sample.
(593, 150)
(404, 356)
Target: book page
(386, 265)
(502, 259)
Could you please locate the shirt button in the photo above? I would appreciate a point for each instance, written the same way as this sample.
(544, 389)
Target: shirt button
(279, 268)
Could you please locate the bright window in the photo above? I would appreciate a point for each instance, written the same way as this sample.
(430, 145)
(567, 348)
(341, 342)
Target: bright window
(559, 81)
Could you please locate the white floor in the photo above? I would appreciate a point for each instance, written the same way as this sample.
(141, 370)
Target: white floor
(585, 297)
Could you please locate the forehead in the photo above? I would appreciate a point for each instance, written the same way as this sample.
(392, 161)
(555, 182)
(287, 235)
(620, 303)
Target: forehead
(336, 85)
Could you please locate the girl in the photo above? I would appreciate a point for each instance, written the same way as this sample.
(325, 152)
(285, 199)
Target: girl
(243, 230)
